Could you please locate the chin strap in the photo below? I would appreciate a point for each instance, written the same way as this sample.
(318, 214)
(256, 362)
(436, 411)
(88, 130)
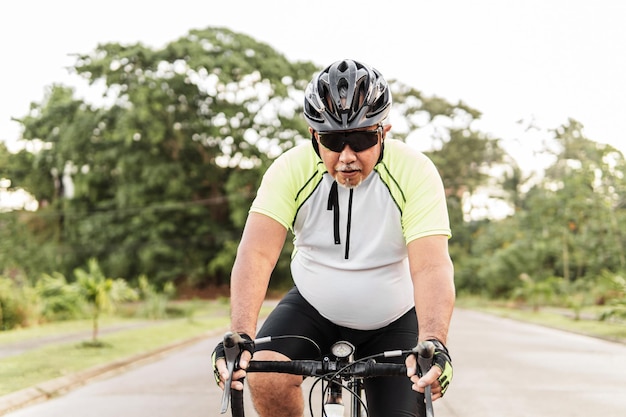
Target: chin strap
(315, 144)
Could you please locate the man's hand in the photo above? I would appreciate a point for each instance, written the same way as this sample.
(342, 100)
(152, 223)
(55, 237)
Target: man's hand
(220, 368)
(438, 376)
(221, 372)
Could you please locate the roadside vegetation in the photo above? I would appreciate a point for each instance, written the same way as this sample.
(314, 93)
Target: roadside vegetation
(90, 294)
(133, 334)
(56, 360)
(597, 310)
(590, 321)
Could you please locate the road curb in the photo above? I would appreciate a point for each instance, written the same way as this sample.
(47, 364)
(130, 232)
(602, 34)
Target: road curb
(58, 386)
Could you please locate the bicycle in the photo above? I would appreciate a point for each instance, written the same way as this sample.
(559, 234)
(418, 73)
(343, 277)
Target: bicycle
(339, 372)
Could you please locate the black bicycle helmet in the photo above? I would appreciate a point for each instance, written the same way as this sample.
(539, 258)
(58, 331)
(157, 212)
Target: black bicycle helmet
(346, 95)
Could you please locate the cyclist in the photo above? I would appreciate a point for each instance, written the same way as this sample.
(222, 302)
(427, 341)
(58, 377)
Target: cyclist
(371, 262)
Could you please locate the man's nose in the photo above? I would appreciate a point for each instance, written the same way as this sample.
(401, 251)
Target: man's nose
(347, 154)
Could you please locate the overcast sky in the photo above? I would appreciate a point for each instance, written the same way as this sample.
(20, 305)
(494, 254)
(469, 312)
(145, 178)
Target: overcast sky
(546, 60)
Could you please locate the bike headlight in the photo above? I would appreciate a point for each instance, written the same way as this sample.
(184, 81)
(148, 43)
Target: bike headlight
(342, 349)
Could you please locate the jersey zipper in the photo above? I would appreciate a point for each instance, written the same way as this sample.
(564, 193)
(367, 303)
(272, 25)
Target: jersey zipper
(333, 204)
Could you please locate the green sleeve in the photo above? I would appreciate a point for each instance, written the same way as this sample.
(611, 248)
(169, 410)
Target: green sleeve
(287, 183)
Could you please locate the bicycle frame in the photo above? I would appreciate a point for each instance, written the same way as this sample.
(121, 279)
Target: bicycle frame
(333, 404)
(334, 370)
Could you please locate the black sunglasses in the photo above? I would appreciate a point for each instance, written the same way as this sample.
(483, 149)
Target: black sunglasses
(358, 141)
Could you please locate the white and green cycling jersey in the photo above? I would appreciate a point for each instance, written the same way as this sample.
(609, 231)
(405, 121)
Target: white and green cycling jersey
(350, 259)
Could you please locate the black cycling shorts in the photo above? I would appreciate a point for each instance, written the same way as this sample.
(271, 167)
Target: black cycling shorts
(386, 396)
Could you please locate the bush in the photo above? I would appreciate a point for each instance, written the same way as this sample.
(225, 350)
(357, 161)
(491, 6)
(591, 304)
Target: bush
(615, 297)
(20, 306)
(154, 304)
(61, 301)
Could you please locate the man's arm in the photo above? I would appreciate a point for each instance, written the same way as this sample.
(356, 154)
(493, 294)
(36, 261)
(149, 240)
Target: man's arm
(433, 289)
(433, 285)
(261, 243)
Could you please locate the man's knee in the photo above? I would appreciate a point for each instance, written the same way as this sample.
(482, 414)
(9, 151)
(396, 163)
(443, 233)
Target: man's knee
(275, 394)
(272, 383)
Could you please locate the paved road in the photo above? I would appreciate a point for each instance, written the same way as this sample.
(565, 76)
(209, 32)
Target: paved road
(503, 368)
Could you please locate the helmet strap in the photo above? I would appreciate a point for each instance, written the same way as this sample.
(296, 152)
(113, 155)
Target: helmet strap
(382, 149)
(382, 144)
(315, 144)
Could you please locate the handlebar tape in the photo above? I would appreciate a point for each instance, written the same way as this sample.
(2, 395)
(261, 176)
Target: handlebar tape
(236, 406)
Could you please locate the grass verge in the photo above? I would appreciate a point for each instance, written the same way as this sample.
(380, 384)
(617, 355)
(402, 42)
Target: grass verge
(563, 319)
(59, 328)
(30, 368)
(59, 359)
(126, 315)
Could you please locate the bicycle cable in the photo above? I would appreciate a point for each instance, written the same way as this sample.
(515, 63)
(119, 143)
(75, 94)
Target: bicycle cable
(268, 339)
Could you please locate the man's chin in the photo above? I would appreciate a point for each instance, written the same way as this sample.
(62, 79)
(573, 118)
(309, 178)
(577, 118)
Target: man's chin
(351, 182)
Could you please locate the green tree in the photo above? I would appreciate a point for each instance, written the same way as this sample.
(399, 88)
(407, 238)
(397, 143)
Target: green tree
(143, 183)
(565, 226)
(582, 193)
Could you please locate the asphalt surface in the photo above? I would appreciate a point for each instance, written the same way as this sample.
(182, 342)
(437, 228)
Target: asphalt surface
(503, 368)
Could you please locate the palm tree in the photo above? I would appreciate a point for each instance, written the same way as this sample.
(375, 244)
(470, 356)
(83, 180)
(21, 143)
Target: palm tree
(101, 293)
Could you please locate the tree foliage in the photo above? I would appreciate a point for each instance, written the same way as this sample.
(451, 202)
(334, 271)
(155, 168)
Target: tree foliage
(156, 182)
(154, 175)
(568, 225)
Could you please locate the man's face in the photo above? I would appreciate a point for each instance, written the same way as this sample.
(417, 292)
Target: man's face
(349, 167)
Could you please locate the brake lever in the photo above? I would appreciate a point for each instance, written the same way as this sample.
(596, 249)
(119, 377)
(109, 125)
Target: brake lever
(231, 351)
(425, 352)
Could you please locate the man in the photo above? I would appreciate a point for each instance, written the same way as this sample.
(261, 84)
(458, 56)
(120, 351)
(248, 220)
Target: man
(371, 257)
